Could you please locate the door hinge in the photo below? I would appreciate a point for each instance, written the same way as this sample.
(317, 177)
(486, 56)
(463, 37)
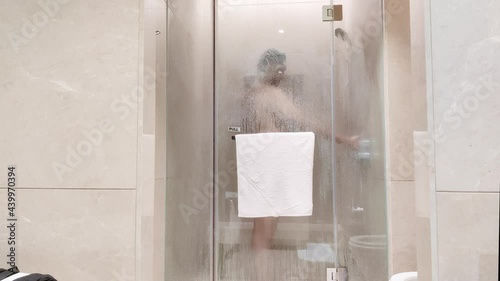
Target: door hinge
(333, 13)
(336, 274)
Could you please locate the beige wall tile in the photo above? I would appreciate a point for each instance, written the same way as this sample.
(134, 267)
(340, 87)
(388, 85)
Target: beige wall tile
(402, 226)
(418, 65)
(422, 205)
(147, 247)
(161, 93)
(150, 4)
(159, 230)
(399, 114)
(466, 71)
(145, 209)
(75, 234)
(423, 245)
(148, 183)
(468, 236)
(72, 72)
(422, 149)
(149, 70)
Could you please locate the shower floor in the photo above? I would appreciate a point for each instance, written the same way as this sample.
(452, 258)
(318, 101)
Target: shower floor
(237, 263)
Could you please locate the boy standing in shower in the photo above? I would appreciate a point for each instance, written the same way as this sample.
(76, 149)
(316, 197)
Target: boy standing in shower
(267, 109)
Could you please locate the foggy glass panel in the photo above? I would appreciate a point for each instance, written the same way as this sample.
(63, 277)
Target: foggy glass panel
(360, 175)
(189, 213)
(248, 97)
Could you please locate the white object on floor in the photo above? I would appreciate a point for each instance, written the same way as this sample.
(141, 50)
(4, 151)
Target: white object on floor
(405, 276)
(275, 174)
(317, 252)
(15, 276)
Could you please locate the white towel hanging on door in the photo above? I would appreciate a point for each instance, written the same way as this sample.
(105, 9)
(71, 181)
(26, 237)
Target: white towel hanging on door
(275, 174)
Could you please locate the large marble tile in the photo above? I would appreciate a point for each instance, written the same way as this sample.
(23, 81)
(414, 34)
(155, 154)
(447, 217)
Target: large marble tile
(466, 71)
(467, 229)
(161, 94)
(421, 152)
(154, 4)
(400, 111)
(149, 4)
(148, 180)
(146, 261)
(424, 252)
(402, 226)
(149, 70)
(159, 230)
(77, 69)
(145, 210)
(418, 65)
(75, 234)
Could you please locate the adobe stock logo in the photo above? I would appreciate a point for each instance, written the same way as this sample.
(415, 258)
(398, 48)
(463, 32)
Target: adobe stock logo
(32, 26)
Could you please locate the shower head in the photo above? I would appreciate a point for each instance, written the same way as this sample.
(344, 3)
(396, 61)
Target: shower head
(340, 33)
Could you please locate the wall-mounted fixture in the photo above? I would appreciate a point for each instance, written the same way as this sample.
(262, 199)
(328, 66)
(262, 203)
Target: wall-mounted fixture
(333, 13)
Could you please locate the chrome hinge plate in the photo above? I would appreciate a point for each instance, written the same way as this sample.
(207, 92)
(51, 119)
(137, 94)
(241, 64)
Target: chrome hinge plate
(333, 13)
(336, 274)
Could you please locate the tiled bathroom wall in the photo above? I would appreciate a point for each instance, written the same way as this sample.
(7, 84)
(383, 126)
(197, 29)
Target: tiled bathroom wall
(70, 86)
(401, 120)
(90, 155)
(150, 232)
(443, 185)
(464, 87)
(150, 215)
(69, 72)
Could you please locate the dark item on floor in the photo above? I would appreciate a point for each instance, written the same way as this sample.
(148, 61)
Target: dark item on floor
(36, 277)
(4, 273)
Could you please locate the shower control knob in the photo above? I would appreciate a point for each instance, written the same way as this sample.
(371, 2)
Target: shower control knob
(357, 209)
(364, 150)
(364, 155)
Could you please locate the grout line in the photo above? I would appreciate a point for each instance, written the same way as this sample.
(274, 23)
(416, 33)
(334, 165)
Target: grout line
(74, 188)
(391, 180)
(273, 3)
(435, 262)
(468, 192)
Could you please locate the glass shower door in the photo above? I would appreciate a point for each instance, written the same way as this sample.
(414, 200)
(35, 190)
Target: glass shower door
(273, 48)
(360, 189)
(330, 74)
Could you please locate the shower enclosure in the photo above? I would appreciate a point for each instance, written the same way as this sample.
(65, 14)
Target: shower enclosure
(334, 75)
